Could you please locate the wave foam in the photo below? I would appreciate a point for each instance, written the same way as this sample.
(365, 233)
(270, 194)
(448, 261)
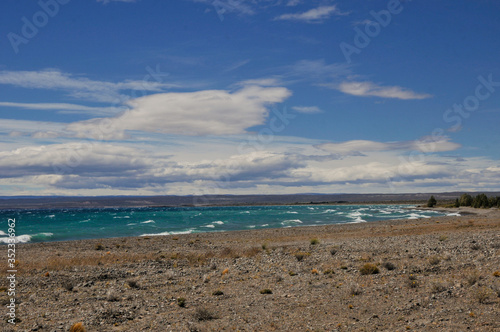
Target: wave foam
(292, 221)
(189, 231)
(17, 239)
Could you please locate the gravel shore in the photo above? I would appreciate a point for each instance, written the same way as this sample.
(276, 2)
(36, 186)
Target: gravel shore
(438, 274)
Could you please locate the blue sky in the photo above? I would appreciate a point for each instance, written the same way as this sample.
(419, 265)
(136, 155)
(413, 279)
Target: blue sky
(248, 96)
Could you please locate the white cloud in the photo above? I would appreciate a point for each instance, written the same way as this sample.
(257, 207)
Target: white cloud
(209, 112)
(319, 69)
(185, 165)
(378, 173)
(28, 127)
(358, 147)
(314, 15)
(90, 159)
(67, 108)
(307, 109)
(269, 81)
(293, 3)
(79, 87)
(365, 89)
(223, 7)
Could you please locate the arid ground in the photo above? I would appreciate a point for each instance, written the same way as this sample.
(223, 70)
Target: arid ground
(439, 274)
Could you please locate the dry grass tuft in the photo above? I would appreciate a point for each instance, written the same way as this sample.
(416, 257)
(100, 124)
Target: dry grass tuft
(203, 314)
(438, 286)
(472, 277)
(181, 302)
(434, 260)
(369, 268)
(483, 295)
(314, 241)
(77, 327)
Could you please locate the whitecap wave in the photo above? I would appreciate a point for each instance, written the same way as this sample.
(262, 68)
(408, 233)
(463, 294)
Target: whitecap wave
(454, 214)
(17, 239)
(218, 222)
(293, 221)
(148, 222)
(414, 216)
(209, 226)
(189, 231)
(329, 211)
(292, 212)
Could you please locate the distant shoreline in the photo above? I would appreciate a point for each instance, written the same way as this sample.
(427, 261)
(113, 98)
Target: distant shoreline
(8, 203)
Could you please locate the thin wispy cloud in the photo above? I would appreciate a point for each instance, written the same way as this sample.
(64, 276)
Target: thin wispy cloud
(307, 109)
(79, 87)
(370, 89)
(319, 69)
(64, 108)
(315, 15)
(292, 3)
(359, 147)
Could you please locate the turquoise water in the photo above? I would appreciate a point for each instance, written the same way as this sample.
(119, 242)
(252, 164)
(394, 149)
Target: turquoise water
(75, 224)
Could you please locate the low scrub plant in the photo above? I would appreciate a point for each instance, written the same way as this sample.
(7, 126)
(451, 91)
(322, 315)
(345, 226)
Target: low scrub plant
(369, 268)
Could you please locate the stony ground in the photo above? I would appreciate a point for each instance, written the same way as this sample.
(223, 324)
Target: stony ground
(440, 274)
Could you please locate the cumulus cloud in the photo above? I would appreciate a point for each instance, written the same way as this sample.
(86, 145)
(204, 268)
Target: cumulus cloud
(370, 89)
(209, 112)
(358, 147)
(315, 15)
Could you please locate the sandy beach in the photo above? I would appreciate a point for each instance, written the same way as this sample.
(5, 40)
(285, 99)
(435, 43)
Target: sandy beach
(437, 274)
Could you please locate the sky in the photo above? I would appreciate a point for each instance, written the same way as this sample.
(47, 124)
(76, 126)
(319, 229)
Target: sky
(196, 97)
